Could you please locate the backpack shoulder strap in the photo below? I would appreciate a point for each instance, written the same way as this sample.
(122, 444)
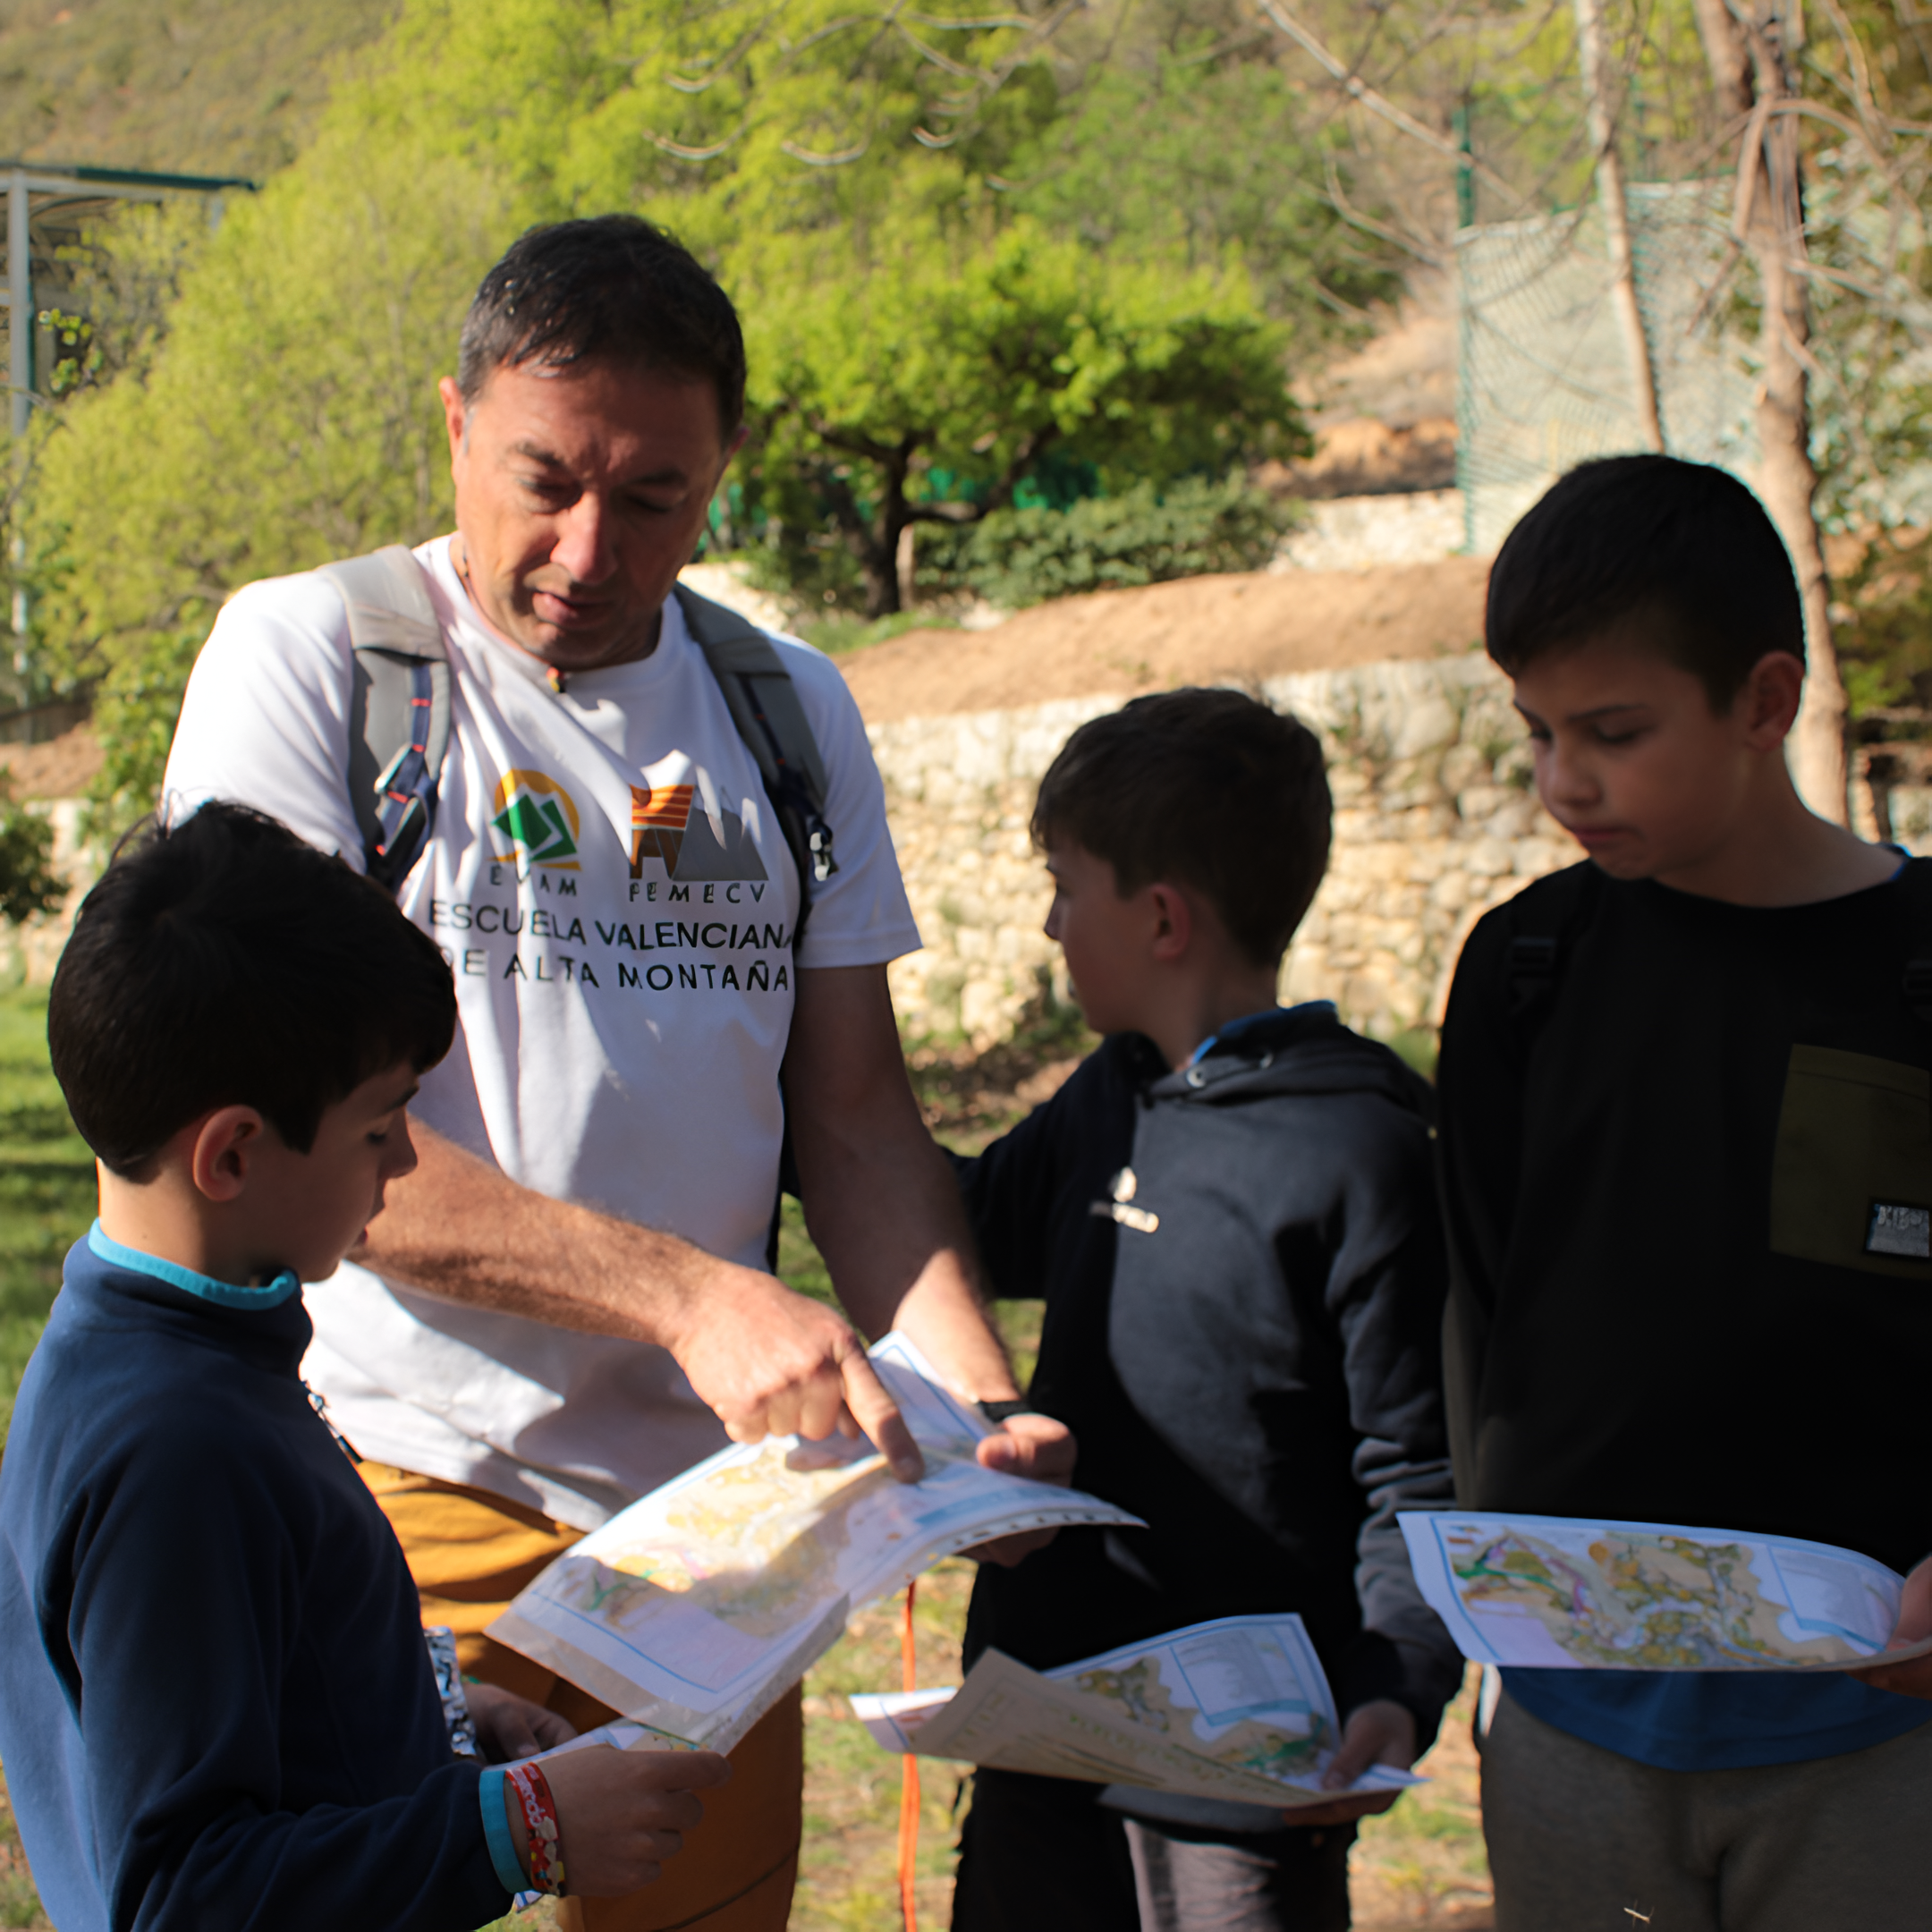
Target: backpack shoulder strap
(1543, 931)
(764, 705)
(399, 714)
(1916, 984)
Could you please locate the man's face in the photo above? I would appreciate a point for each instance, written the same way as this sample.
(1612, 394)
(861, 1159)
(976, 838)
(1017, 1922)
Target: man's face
(318, 1205)
(1632, 761)
(580, 493)
(1104, 938)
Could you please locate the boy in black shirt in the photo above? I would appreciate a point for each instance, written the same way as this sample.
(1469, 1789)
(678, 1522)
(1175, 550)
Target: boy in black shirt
(1229, 1211)
(1687, 1143)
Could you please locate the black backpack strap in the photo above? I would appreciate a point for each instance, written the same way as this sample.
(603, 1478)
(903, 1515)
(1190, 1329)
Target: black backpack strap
(1532, 970)
(1916, 982)
(399, 714)
(1545, 923)
(764, 705)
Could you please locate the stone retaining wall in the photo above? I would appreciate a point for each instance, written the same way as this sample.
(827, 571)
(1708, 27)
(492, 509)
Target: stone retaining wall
(1436, 821)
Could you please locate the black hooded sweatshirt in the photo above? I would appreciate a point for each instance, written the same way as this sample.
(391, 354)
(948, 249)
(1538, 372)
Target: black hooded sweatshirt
(1244, 1280)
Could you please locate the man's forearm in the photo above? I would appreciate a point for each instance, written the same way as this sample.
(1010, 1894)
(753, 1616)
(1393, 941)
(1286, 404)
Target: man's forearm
(766, 1360)
(886, 1217)
(880, 1199)
(460, 1229)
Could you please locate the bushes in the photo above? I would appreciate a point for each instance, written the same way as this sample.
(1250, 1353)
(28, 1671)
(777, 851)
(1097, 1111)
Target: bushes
(28, 884)
(1149, 535)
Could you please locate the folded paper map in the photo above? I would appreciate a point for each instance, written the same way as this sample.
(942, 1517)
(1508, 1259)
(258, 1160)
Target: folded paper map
(1553, 1591)
(1239, 1711)
(694, 1610)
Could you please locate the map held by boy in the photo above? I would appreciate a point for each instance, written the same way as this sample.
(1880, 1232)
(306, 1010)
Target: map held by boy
(1554, 1592)
(695, 1609)
(1236, 1709)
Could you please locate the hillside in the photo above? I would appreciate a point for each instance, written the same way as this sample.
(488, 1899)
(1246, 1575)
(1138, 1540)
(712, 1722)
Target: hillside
(204, 87)
(1199, 628)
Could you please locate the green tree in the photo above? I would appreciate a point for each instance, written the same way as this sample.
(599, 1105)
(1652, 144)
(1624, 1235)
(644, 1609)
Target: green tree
(928, 387)
(289, 417)
(857, 173)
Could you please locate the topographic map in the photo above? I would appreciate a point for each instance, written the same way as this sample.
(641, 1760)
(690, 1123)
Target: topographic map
(1553, 1591)
(1236, 1711)
(693, 1610)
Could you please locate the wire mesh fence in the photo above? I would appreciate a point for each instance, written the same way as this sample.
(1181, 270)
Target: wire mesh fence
(1543, 378)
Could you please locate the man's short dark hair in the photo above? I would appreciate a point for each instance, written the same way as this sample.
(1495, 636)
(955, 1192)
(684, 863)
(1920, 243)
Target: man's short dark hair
(609, 289)
(1684, 549)
(221, 962)
(1205, 788)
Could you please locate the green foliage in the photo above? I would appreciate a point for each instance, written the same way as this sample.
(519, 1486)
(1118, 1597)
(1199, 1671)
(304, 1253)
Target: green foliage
(945, 357)
(903, 205)
(77, 356)
(1147, 535)
(28, 884)
(1882, 623)
(1201, 162)
(290, 416)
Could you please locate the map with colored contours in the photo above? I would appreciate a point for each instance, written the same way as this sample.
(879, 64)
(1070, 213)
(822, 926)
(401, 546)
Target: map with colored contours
(1237, 1710)
(1553, 1591)
(694, 1609)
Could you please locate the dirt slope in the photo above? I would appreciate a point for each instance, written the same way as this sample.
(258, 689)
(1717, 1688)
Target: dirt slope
(63, 767)
(1247, 626)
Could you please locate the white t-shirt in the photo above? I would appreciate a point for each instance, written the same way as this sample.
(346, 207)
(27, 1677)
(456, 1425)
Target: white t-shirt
(615, 899)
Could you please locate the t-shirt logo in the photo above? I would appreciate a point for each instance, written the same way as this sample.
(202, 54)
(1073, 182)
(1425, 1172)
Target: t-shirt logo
(1897, 1229)
(537, 819)
(664, 826)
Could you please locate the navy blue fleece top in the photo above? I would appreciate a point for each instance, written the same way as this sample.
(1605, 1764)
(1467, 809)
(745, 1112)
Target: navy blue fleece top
(215, 1708)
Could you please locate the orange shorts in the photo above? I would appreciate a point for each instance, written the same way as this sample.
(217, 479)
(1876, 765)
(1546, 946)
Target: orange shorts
(470, 1552)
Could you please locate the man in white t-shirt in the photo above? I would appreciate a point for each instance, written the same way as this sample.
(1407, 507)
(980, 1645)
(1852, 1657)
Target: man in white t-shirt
(567, 1303)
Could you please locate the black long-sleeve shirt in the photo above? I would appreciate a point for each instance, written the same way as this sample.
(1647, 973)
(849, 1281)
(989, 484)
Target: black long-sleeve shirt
(216, 1712)
(1243, 1276)
(1669, 1126)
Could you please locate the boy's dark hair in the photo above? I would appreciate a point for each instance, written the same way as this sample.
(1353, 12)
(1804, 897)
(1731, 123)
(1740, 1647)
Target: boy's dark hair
(222, 962)
(614, 288)
(1208, 788)
(1683, 547)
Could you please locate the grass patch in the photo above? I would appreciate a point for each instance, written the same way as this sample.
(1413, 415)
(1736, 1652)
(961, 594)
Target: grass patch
(46, 1186)
(839, 632)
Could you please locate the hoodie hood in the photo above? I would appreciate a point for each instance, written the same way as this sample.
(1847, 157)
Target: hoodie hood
(1301, 1049)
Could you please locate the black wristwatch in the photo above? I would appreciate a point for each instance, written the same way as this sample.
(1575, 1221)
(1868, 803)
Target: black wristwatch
(997, 1413)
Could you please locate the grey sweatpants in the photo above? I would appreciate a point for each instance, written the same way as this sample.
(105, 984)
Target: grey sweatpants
(1583, 1840)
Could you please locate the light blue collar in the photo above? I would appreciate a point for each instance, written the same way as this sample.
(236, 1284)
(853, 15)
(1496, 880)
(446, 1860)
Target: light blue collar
(224, 1294)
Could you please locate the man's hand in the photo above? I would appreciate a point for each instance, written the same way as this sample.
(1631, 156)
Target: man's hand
(620, 1814)
(1040, 1449)
(1382, 1732)
(1914, 1625)
(771, 1362)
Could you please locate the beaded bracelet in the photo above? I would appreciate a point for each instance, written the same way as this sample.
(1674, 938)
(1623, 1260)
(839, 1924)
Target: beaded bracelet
(546, 1854)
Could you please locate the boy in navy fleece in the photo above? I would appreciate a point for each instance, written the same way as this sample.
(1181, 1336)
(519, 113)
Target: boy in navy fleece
(1228, 1210)
(215, 1705)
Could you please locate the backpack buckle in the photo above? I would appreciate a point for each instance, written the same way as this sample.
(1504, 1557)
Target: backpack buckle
(1918, 988)
(1532, 966)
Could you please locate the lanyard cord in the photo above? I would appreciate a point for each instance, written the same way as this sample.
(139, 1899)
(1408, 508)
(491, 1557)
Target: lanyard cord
(909, 1778)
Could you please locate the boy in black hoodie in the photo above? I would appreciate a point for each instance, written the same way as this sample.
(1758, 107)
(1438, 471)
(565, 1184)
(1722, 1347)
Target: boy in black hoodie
(1229, 1211)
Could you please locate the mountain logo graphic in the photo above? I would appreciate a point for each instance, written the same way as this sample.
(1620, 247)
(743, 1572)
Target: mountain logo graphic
(666, 823)
(537, 819)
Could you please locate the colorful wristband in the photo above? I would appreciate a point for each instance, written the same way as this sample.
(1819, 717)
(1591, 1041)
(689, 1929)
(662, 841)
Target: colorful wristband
(546, 1853)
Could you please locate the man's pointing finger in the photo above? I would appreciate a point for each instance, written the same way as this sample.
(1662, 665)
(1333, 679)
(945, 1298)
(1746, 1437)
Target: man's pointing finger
(876, 1413)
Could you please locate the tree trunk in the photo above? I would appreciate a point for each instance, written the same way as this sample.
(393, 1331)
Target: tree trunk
(1751, 70)
(1616, 216)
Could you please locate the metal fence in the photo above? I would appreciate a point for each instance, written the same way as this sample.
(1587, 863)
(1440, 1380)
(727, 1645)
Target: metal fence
(1543, 380)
